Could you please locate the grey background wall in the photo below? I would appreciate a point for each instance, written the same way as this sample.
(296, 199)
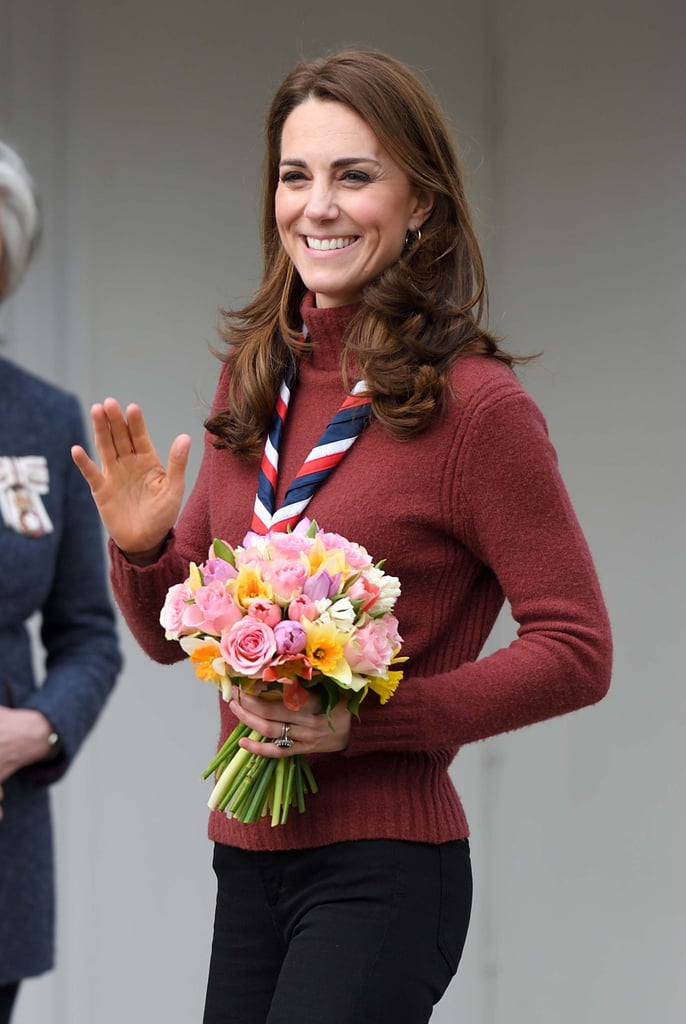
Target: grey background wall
(142, 123)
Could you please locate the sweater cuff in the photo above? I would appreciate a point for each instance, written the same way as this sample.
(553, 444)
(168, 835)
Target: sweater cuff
(122, 563)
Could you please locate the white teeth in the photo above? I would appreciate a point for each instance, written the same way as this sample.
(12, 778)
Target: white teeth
(324, 244)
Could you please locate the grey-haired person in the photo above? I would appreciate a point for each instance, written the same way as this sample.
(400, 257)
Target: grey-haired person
(52, 566)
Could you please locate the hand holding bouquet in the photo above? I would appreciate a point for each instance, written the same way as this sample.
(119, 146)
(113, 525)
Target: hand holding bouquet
(283, 615)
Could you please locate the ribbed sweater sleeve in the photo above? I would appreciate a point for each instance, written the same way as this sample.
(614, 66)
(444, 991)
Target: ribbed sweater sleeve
(510, 504)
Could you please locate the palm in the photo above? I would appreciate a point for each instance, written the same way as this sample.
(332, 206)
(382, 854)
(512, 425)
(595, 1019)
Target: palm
(137, 497)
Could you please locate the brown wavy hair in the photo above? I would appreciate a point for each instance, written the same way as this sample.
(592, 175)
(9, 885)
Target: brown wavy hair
(417, 316)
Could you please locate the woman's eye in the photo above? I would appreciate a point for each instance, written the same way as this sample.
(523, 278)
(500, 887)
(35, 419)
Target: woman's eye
(357, 177)
(289, 177)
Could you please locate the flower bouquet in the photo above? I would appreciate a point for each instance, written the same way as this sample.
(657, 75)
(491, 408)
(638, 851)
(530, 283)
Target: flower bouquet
(282, 615)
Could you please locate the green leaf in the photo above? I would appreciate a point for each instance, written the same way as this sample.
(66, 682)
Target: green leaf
(355, 700)
(222, 550)
(349, 582)
(329, 695)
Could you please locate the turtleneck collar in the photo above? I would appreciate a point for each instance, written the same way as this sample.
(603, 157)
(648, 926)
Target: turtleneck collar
(326, 328)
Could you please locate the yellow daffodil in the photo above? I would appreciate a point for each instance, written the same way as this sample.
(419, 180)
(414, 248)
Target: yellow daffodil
(324, 649)
(205, 657)
(194, 580)
(385, 686)
(249, 585)
(333, 560)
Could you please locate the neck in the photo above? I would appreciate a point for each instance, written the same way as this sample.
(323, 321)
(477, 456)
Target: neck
(326, 328)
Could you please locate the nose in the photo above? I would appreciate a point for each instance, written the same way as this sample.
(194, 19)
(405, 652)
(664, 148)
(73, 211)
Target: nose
(321, 204)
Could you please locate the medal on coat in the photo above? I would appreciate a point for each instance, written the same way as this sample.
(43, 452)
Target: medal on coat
(23, 479)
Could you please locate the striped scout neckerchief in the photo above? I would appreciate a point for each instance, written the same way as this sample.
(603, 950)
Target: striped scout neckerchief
(341, 433)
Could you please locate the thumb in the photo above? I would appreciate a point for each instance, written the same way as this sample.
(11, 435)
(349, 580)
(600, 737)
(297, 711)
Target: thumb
(178, 456)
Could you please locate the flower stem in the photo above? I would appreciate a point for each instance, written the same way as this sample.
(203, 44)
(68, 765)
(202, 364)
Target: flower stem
(229, 773)
(236, 783)
(227, 749)
(242, 794)
(307, 771)
(277, 792)
(289, 790)
(253, 811)
(299, 794)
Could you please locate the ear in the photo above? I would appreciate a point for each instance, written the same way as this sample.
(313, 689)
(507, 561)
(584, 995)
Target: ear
(423, 205)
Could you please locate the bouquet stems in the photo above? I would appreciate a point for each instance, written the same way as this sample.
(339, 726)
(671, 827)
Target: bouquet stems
(249, 786)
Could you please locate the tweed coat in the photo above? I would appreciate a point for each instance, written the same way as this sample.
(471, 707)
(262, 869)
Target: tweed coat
(52, 570)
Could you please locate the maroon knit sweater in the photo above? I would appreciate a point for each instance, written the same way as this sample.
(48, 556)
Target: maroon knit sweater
(470, 511)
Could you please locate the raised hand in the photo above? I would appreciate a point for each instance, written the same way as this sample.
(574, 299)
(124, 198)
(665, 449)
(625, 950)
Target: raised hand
(137, 497)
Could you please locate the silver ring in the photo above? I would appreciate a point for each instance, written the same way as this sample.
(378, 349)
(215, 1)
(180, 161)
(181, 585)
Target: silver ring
(284, 740)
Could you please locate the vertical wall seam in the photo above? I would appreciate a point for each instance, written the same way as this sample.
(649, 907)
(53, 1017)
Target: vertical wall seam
(490, 756)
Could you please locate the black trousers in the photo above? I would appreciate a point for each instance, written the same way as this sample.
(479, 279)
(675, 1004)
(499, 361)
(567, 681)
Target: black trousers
(365, 932)
(8, 993)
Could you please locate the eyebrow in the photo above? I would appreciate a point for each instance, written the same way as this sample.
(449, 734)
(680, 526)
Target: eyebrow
(345, 161)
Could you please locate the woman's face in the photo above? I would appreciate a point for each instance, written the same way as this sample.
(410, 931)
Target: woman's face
(343, 206)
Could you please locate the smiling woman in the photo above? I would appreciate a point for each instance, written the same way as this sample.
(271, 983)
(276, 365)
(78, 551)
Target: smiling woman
(344, 208)
(363, 375)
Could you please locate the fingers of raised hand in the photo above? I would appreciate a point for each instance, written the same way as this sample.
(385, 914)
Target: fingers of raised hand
(178, 455)
(110, 431)
(137, 430)
(112, 428)
(85, 464)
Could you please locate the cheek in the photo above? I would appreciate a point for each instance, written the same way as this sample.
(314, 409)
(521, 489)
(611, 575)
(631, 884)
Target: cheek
(284, 208)
(284, 216)
(390, 223)
(281, 228)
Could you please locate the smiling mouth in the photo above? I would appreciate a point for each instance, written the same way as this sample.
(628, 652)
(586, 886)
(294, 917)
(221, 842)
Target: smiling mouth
(326, 244)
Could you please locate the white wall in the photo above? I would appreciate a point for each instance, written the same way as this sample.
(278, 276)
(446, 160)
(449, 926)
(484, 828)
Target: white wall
(591, 899)
(142, 122)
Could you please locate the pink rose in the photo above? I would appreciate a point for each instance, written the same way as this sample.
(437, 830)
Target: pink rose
(355, 555)
(213, 610)
(290, 545)
(372, 646)
(252, 556)
(173, 610)
(286, 578)
(248, 647)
